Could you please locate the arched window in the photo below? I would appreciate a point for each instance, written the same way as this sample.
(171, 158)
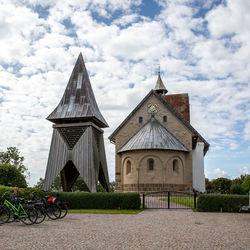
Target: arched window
(128, 167)
(150, 164)
(164, 118)
(175, 167)
(140, 119)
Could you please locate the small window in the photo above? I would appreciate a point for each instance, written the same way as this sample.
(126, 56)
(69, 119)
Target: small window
(140, 119)
(164, 118)
(175, 167)
(128, 167)
(150, 164)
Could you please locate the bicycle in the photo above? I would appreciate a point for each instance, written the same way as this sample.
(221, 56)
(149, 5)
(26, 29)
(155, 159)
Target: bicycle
(4, 214)
(51, 209)
(25, 213)
(39, 207)
(63, 205)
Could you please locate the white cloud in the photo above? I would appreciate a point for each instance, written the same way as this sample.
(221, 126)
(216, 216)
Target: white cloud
(245, 170)
(127, 19)
(217, 173)
(38, 55)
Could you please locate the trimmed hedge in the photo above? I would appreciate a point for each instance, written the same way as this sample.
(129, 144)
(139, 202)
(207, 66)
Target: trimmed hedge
(221, 202)
(85, 200)
(22, 192)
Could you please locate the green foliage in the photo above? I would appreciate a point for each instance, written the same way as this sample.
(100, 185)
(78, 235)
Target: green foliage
(56, 186)
(21, 192)
(11, 176)
(221, 185)
(237, 189)
(12, 157)
(246, 183)
(208, 185)
(185, 201)
(84, 200)
(79, 185)
(220, 202)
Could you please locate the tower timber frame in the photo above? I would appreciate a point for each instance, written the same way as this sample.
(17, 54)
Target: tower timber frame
(77, 146)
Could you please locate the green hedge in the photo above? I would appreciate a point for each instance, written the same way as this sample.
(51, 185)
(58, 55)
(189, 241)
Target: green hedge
(221, 202)
(22, 192)
(84, 200)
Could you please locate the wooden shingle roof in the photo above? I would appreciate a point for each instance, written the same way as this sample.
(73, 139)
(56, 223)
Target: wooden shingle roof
(78, 102)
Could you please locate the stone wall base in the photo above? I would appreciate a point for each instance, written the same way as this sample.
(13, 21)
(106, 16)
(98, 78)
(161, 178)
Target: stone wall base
(156, 187)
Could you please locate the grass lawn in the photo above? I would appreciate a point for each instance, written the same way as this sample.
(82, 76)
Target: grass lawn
(185, 201)
(104, 211)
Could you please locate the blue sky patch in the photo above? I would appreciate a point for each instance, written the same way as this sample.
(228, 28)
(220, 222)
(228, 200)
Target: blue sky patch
(149, 9)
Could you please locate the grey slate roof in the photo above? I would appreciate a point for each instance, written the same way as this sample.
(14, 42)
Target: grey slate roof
(171, 109)
(78, 102)
(153, 136)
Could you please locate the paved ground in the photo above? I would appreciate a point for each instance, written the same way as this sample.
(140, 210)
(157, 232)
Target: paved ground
(151, 229)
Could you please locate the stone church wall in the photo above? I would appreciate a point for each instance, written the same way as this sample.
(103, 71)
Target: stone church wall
(173, 124)
(162, 177)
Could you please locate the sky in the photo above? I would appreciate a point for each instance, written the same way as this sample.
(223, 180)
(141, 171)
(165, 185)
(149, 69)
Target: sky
(203, 48)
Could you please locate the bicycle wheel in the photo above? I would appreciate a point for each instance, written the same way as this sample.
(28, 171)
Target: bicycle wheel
(4, 214)
(53, 211)
(31, 216)
(40, 215)
(64, 209)
(12, 217)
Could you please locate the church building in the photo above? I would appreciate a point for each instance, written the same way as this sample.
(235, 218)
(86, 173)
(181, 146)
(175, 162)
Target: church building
(156, 147)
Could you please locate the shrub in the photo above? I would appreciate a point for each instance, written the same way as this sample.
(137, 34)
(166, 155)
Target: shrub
(22, 192)
(11, 176)
(237, 189)
(82, 200)
(246, 183)
(85, 200)
(218, 202)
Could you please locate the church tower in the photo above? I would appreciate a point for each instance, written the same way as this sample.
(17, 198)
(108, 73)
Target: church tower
(77, 146)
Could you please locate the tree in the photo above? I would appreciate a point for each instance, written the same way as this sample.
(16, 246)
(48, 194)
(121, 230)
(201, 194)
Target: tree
(56, 185)
(11, 176)
(246, 183)
(40, 183)
(239, 180)
(12, 157)
(208, 185)
(221, 185)
(237, 189)
(79, 185)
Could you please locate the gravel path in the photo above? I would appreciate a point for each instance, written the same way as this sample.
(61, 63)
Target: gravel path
(151, 229)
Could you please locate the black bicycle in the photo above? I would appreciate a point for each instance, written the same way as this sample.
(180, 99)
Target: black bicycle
(48, 206)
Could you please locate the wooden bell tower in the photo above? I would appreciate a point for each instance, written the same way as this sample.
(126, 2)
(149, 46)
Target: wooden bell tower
(77, 146)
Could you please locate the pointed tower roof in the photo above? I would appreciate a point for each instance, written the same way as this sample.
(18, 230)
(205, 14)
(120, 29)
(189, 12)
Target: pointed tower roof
(153, 136)
(78, 102)
(159, 87)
